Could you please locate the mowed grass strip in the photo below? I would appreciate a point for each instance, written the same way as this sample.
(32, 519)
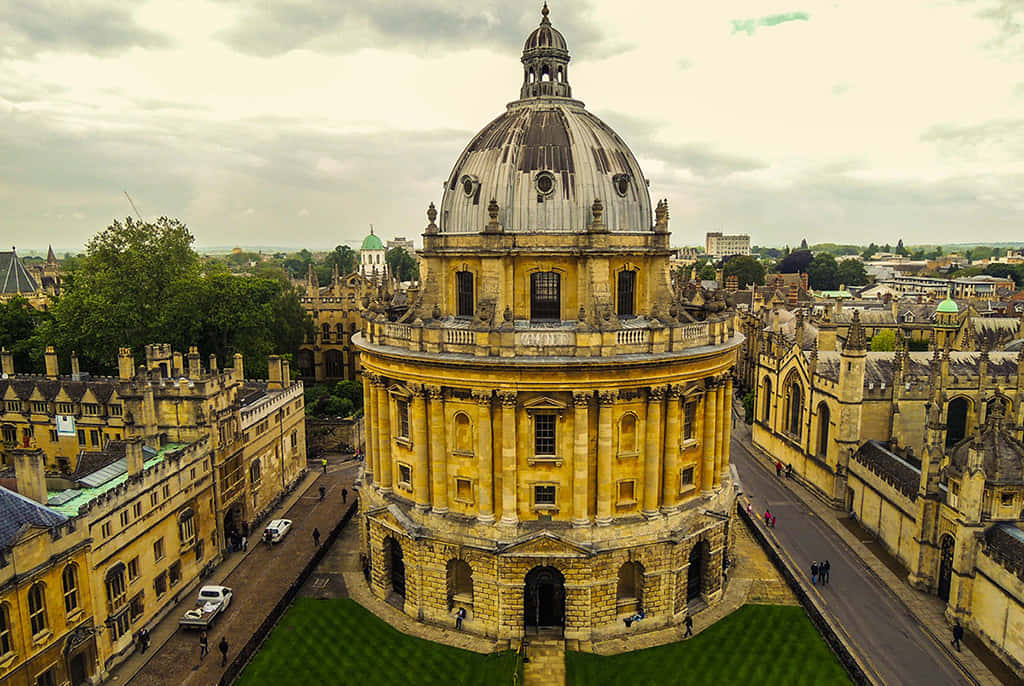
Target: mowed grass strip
(757, 644)
(338, 641)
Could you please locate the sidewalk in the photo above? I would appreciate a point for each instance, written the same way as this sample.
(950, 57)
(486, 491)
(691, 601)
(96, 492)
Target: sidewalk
(928, 610)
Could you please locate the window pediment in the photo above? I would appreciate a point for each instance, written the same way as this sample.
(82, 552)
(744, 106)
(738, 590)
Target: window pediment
(545, 404)
(400, 391)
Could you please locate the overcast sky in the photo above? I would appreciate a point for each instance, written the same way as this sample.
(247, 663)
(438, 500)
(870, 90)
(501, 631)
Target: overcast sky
(301, 122)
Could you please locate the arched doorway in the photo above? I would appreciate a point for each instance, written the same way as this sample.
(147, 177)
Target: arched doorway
(824, 418)
(956, 421)
(544, 599)
(396, 563)
(948, 545)
(695, 572)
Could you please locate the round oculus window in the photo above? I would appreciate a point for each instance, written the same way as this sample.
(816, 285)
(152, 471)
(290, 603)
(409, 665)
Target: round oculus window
(468, 185)
(621, 182)
(545, 183)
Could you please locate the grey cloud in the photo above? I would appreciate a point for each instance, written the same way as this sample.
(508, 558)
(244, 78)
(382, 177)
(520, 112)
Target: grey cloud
(1007, 134)
(92, 26)
(271, 28)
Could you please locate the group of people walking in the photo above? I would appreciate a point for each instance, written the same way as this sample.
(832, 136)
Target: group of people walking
(820, 572)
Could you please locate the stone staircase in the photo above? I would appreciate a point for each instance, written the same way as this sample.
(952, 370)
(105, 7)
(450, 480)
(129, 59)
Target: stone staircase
(546, 662)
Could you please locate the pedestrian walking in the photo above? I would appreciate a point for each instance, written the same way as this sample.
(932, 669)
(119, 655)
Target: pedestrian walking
(323, 492)
(204, 645)
(316, 537)
(778, 469)
(814, 572)
(143, 640)
(825, 571)
(344, 495)
(245, 543)
(324, 463)
(688, 622)
(750, 510)
(460, 615)
(223, 646)
(773, 521)
(958, 635)
(767, 518)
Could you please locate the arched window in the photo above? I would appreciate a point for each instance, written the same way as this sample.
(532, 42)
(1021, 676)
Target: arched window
(6, 640)
(69, 580)
(533, 75)
(187, 526)
(627, 293)
(339, 332)
(255, 474)
(326, 333)
(464, 293)
(37, 607)
(561, 75)
(334, 364)
(463, 434)
(824, 418)
(956, 420)
(629, 592)
(460, 583)
(116, 588)
(766, 391)
(545, 74)
(545, 295)
(627, 433)
(794, 408)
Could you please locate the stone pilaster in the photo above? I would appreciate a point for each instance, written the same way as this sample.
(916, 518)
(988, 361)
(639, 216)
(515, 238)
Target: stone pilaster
(707, 469)
(721, 418)
(606, 401)
(485, 462)
(581, 459)
(384, 435)
(509, 511)
(370, 429)
(421, 450)
(670, 476)
(652, 450)
(438, 451)
(727, 427)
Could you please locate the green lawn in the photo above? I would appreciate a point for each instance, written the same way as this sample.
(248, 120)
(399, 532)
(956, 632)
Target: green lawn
(321, 642)
(758, 644)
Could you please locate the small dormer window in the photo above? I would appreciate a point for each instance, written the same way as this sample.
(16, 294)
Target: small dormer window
(469, 185)
(621, 183)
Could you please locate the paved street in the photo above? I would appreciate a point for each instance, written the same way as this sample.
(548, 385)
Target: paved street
(259, 581)
(888, 640)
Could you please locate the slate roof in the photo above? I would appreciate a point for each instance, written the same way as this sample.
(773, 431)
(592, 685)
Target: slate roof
(1005, 544)
(1002, 456)
(18, 513)
(14, 278)
(891, 468)
(24, 386)
(90, 461)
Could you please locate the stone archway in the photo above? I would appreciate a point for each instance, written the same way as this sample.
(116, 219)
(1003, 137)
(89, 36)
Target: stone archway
(947, 546)
(544, 599)
(695, 573)
(396, 567)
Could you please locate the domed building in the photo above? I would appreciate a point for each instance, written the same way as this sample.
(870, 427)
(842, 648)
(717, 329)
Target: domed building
(372, 265)
(548, 425)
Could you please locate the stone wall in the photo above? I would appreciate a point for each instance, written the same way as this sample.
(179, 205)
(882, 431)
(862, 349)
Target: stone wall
(333, 435)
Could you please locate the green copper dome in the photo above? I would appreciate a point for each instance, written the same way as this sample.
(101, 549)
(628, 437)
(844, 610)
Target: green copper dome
(372, 242)
(948, 306)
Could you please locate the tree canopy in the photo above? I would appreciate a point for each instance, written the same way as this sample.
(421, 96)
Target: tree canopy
(747, 270)
(795, 262)
(403, 266)
(851, 273)
(19, 333)
(884, 340)
(821, 272)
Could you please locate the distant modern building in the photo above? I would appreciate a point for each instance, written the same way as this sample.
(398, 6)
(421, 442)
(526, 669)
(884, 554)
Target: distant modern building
(402, 242)
(718, 244)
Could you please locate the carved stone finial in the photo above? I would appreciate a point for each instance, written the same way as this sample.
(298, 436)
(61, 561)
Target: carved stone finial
(661, 216)
(507, 314)
(436, 312)
(582, 316)
(597, 210)
(493, 226)
(432, 217)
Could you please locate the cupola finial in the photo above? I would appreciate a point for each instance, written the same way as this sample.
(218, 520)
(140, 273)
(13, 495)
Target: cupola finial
(544, 14)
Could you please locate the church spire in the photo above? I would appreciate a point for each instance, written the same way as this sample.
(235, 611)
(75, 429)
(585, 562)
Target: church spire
(545, 62)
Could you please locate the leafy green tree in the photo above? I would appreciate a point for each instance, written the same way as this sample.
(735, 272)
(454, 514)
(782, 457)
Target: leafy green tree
(403, 266)
(747, 270)
(297, 264)
(344, 257)
(851, 273)
(748, 406)
(795, 262)
(708, 272)
(20, 325)
(821, 272)
(884, 340)
(869, 251)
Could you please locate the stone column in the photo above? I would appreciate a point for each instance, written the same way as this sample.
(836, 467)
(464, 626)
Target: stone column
(370, 424)
(727, 427)
(652, 451)
(509, 511)
(384, 435)
(604, 457)
(707, 469)
(670, 477)
(581, 459)
(421, 450)
(438, 452)
(721, 419)
(485, 464)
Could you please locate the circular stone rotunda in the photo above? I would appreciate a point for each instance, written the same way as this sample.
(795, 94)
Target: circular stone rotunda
(547, 426)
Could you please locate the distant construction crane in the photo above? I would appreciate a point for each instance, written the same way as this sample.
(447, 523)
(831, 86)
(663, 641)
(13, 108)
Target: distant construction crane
(132, 202)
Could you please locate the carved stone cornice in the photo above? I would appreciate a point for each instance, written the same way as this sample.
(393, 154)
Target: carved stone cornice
(507, 398)
(417, 391)
(607, 397)
(581, 398)
(435, 392)
(481, 397)
(674, 392)
(656, 394)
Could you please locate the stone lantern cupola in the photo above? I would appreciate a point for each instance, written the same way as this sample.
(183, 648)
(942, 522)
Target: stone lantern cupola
(545, 62)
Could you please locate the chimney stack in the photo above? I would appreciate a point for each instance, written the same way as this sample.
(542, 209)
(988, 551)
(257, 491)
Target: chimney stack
(133, 455)
(125, 364)
(52, 369)
(213, 364)
(7, 359)
(239, 370)
(286, 373)
(178, 367)
(195, 370)
(76, 372)
(29, 472)
(274, 362)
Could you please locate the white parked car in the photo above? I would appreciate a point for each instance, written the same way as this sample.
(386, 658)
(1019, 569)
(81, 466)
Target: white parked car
(276, 530)
(212, 601)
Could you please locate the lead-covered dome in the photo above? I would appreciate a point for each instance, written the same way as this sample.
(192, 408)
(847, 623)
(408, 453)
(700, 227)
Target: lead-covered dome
(546, 159)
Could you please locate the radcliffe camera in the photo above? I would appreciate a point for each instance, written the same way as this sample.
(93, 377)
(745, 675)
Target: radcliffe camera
(568, 344)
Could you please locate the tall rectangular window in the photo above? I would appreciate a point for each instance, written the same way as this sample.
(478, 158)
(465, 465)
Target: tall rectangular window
(627, 293)
(402, 406)
(545, 495)
(689, 419)
(545, 296)
(464, 293)
(544, 434)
